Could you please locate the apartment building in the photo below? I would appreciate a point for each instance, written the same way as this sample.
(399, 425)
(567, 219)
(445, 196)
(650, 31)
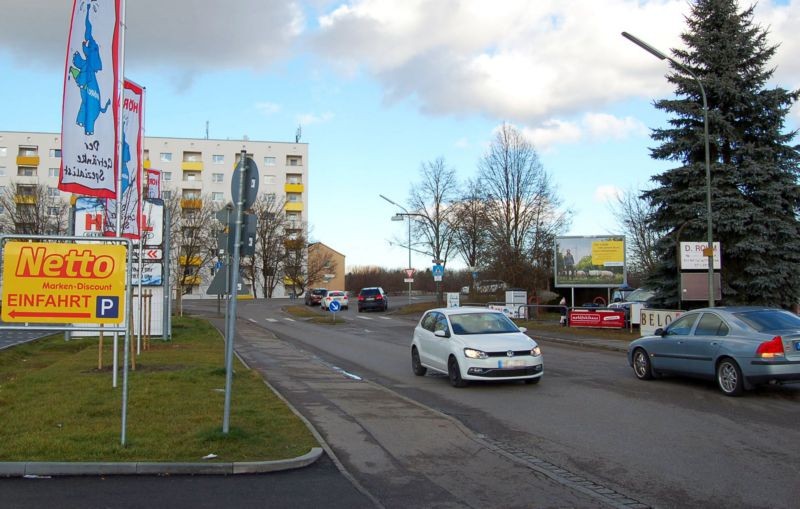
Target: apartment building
(191, 169)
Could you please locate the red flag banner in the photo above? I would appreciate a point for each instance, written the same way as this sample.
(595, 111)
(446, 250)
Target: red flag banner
(130, 166)
(153, 183)
(91, 98)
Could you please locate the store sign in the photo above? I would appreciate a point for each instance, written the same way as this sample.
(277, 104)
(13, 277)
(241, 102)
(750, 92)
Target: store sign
(48, 282)
(652, 319)
(604, 318)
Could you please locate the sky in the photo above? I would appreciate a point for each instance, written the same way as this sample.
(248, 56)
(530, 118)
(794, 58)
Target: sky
(381, 86)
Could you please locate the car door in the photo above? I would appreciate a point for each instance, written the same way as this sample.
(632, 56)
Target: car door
(700, 347)
(668, 353)
(425, 338)
(440, 345)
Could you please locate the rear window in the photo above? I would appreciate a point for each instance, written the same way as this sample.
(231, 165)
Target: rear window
(369, 291)
(336, 294)
(769, 319)
(318, 291)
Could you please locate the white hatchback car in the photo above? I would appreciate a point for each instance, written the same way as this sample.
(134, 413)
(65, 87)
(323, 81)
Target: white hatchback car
(470, 343)
(335, 295)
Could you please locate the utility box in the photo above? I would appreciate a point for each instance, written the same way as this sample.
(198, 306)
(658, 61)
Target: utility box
(517, 302)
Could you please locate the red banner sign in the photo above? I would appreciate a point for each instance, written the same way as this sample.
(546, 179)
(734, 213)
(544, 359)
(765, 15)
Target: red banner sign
(606, 318)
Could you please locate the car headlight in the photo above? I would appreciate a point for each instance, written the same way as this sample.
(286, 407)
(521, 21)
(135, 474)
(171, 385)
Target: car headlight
(536, 351)
(471, 353)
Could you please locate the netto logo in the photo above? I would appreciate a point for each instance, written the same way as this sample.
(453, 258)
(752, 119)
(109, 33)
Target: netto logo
(74, 264)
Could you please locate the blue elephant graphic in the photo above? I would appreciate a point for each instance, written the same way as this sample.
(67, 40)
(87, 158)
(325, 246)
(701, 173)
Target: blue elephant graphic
(84, 72)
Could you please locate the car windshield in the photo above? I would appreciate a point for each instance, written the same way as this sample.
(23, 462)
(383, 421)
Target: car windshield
(769, 319)
(481, 323)
(639, 295)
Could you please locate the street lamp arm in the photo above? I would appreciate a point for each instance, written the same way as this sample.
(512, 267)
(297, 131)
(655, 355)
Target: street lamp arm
(393, 203)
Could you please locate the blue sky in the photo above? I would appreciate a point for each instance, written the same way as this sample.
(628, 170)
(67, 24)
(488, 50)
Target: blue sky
(380, 86)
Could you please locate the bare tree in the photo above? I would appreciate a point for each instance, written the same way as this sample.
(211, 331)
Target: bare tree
(470, 226)
(522, 207)
(632, 214)
(33, 209)
(431, 200)
(195, 245)
(272, 228)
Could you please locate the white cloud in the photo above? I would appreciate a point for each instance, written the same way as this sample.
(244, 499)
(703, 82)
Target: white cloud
(551, 133)
(592, 127)
(310, 118)
(607, 193)
(268, 108)
(602, 126)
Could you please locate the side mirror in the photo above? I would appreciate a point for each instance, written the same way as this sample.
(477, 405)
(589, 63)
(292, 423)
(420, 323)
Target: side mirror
(442, 334)
(523, 329)
(660, 332)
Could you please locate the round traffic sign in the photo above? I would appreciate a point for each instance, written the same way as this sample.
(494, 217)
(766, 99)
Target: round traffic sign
(333, 306)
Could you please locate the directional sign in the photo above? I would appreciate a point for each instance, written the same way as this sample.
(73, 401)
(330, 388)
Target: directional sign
(438, 272)
(334, 306)
(149, 253)
(49, 282)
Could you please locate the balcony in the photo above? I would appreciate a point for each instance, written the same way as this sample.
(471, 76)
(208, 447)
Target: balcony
(27, 160)
(293, 188)
(25, 199)
(192, 165)
(192, 280)
(186, 261)
(191, 203)
(293, 206)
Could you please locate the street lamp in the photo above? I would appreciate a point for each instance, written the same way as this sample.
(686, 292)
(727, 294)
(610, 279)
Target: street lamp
(709, 251)
(399, 217)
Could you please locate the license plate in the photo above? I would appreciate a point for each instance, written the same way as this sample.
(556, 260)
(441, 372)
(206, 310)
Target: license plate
(513, 363)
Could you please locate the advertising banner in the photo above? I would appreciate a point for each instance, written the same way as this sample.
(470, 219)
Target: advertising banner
(130, 167)
(89, 116)
(604, 318)
(48, 282)
(590, 262)
(153, 183)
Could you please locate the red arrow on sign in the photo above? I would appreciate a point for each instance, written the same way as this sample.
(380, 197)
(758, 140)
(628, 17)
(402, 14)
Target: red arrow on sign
(32, 314)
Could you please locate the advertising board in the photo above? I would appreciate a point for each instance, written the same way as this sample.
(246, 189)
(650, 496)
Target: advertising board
(603, 318)
(590, 262)
(50, 282)
(652, 319)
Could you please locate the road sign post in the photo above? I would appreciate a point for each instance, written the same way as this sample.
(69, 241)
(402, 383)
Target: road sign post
(333, 307)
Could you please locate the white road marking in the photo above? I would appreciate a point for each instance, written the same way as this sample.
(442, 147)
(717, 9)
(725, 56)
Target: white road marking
(273, 320)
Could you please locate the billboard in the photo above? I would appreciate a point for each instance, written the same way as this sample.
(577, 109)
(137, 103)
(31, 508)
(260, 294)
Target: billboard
(591, 261)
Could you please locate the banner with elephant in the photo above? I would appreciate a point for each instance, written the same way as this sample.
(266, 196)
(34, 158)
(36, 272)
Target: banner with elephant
(91, 109)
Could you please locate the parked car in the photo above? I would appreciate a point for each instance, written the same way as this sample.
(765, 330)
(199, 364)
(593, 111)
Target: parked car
(738, 347)
(641, 296)
(335, 295)
(471, 343)
(372, 298)
(314, 296)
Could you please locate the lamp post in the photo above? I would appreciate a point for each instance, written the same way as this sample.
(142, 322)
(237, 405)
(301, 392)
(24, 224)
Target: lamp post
(399, 217)
(709, 251)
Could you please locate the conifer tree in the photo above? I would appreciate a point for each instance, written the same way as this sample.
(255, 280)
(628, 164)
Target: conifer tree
(754, 166)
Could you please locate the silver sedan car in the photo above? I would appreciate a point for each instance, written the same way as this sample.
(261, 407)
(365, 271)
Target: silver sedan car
(739, 347)
(474, 344)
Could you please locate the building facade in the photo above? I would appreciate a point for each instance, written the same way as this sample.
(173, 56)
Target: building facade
(192, 169)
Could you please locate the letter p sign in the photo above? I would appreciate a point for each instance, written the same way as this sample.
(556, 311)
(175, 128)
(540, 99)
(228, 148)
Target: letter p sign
(107, 307)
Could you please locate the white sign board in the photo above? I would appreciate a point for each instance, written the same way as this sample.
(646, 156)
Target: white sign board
(652, 319)
(692, 256)
(151, 274)
(153, 223)
(453, 300)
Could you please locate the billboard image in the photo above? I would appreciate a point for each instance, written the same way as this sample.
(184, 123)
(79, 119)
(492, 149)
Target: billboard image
(594, 261)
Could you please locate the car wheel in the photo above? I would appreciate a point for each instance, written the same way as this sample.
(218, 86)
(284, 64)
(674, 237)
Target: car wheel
(416, 365)
(454, 373)
(641, 365)
(530, 381)
(729, 378)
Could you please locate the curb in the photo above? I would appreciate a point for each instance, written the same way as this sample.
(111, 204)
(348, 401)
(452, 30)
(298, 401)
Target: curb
(43, 468)
(586, 343)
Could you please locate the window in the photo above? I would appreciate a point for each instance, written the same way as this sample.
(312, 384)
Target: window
(217, 177)
(26, 171)
(192, 157)
(294, 197)
(52, 211)
(271, 197)
(146, 154)
(167, 176)
(28, 151)
(166, 157)
(269, 179)
(269, 161)
(55, 152)
(3, 151)
(217, 197)
(52, 172)
(294, 161)
(191, 176)
(711, 325)
(52, 192)
(294, 178)
(166, 195)
(218, 159)
(682, 326)
(2, 171)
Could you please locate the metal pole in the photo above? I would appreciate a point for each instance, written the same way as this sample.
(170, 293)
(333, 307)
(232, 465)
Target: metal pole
(709, 252)
(409, 258)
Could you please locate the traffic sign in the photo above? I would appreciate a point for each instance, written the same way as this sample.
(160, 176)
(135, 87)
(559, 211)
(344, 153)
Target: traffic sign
(410, 272)
(334, 306)
(250, 183)
(438, 272)
(149, 253)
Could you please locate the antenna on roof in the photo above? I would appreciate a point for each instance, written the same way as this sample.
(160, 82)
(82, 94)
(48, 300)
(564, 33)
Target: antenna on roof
(298, 134)
(206, 129)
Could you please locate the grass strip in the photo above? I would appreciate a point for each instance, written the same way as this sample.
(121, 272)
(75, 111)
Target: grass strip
(55, 405)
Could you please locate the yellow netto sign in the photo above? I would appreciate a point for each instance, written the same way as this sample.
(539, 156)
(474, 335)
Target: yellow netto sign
(63, 283)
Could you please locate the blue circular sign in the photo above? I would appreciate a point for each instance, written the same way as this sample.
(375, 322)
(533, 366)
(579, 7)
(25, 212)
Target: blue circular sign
(333, 306)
